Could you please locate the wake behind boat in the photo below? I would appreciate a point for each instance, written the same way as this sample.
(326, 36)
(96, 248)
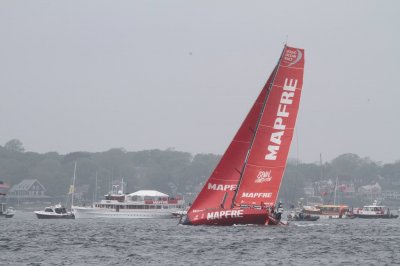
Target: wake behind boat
(142, 204)
(244, 186)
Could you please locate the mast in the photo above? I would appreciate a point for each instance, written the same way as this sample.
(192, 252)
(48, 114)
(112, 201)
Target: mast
(73, 187)
(320, 165)
(95, 190)
(334, 197)
(256, 128)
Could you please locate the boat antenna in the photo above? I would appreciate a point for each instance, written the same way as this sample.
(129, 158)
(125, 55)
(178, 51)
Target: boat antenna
(256, 128)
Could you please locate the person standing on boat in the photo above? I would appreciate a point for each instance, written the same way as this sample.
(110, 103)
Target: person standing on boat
(279, 211)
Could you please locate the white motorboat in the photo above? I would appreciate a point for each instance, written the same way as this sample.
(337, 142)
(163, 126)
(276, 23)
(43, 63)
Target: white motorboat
(374, 211)
(141, 204)
(6, 212)
(55, 212)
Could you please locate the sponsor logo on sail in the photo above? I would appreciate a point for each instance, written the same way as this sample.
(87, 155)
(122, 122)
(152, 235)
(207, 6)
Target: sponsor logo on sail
(279, 127)
(221, 187)
(224, 214)
(291, 57)
(256, 195)
(263, 176)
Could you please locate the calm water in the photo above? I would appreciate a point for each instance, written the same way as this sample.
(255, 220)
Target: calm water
(25, 240)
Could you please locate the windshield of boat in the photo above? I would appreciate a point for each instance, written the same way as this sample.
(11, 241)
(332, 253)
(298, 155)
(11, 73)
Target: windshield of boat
(328, 208)
(373, 208)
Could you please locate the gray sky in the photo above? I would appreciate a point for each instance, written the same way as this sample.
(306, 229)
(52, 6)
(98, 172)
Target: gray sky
(94, 75)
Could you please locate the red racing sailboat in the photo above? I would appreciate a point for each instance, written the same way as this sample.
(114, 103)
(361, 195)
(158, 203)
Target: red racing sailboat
(244, 186)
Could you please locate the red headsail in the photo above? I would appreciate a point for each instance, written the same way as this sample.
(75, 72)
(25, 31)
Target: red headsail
(251, 170)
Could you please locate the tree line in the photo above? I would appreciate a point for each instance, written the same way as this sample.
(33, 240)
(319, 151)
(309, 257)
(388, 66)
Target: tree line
(172, 172)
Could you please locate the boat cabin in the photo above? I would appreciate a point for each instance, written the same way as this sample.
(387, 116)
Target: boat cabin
(142, 199)
(58, 210)
(333, 209)
(373, 208)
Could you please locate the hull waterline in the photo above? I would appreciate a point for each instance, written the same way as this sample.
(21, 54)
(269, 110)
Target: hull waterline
(46, 216)
(366, 216)
(229, 217)
(87, 212)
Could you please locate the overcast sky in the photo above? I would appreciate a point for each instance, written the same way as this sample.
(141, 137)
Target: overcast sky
(95, 75)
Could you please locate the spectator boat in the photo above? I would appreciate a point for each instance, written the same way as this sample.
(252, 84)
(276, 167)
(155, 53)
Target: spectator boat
(142, 204)
(55, 212)
(374, 211)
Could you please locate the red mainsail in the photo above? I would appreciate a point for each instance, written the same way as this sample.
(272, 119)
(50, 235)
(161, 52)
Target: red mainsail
(265, 167)
(251, 170)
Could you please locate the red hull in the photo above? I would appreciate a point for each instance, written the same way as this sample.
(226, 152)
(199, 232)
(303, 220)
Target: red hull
(228, 217)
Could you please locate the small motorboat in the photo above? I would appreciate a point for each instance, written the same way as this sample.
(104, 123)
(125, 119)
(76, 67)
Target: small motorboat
(300, 216)
(55, 212)
(179, 213)
(6, 212)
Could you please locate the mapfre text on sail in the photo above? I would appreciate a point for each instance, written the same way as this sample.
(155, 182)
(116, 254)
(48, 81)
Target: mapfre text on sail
(279, 127)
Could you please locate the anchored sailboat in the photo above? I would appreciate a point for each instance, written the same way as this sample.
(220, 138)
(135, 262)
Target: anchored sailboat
(244, 186)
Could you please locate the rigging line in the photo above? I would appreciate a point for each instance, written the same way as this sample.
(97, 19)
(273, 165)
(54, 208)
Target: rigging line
(257, 125)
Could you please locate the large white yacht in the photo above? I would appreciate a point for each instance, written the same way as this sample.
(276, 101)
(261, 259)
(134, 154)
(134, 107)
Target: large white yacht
(140, 204)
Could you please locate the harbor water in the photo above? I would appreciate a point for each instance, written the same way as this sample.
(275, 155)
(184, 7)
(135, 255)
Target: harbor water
(26, 240)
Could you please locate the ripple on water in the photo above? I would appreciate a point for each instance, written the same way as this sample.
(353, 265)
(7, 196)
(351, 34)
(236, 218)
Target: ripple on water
(28, 241)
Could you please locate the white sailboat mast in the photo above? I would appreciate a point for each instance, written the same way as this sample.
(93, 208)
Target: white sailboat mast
(73, 187)
(334, 198)
(95, 190)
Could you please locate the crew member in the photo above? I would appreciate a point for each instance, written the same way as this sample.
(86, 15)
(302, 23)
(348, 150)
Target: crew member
(279, 211)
